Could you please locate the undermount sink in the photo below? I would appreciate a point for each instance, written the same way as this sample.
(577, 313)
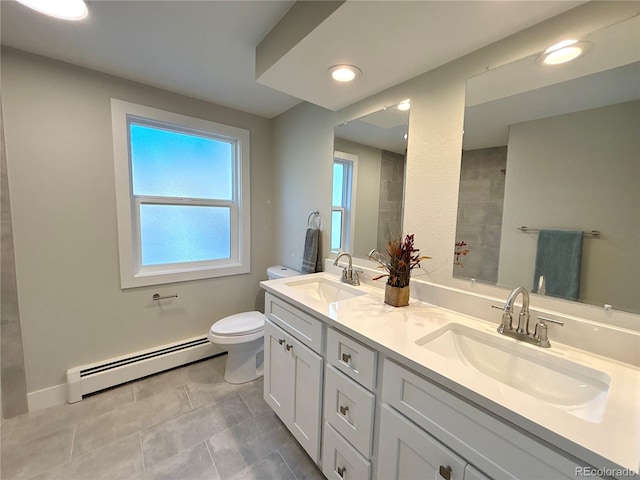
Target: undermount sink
(324, 290)
(574, 388)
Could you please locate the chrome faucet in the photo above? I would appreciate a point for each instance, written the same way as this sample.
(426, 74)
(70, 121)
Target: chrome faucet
(523, 318)
(521, 332)
(348, 275)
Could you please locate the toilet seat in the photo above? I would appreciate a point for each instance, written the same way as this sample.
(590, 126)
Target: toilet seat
(238, 328)
(243, 323)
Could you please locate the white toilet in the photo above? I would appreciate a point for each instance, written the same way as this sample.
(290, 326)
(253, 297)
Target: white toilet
(242, 335)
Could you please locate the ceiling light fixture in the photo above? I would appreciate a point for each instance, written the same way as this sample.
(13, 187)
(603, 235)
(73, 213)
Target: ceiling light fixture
(563, 52)
(344, 73)
(61, 9)
(404, 105)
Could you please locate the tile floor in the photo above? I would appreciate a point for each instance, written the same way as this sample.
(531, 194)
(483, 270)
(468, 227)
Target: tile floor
(184, 424)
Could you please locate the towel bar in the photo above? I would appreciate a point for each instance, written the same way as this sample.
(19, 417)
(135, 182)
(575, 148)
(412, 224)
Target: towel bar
(312, 216)
(156, 296)
(592, 233)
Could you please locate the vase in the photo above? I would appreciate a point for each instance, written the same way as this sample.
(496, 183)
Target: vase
(396, 296)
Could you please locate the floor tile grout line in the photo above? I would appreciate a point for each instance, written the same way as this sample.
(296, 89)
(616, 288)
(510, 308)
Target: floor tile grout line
(287, 464)
(73, 440)
(215, 467)
(246, 405)
(144, 467)
(184, 387)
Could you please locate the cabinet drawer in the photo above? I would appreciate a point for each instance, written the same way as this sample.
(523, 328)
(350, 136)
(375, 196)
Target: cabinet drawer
(494, 446)
(340, 461)
(349, 409)
(407, 453)
(352, 358)
(296, 322)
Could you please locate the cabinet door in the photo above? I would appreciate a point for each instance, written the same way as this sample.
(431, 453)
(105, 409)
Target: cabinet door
(307, 396)
(406, 452)
(471, 473)
(278, 373)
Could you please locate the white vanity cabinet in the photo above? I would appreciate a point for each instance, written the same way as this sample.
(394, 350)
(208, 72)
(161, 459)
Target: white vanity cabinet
(360, 412)
(293, 381)
(349, 408)
(417, 411)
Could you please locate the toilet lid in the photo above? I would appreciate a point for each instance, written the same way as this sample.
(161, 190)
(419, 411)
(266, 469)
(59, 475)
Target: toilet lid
(239, 324)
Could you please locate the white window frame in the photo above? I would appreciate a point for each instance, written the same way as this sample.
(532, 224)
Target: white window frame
(132, 272)
(348, 198)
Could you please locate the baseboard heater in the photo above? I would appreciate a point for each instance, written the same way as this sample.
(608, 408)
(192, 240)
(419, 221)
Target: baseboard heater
(94, 377)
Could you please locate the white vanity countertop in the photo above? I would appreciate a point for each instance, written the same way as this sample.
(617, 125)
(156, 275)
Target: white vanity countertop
(613, 442)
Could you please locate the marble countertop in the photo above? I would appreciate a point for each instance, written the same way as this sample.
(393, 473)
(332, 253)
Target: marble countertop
(613, 441)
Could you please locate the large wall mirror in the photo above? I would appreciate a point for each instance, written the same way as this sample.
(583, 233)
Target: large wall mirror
(556, 148)
(368, 180)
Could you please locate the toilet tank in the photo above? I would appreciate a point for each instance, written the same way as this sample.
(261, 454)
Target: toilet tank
(278, 271)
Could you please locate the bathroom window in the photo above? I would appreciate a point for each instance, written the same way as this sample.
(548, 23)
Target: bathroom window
(343, 206)
(182, 188)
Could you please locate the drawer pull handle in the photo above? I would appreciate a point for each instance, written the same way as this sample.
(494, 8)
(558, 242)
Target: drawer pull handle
(445, 472)
(281, 341)
(343, 410)
(342, 471)
(346, 357)
(288, 347)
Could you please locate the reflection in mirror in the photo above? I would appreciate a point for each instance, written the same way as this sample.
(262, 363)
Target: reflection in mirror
(368, 181)
(555, 148)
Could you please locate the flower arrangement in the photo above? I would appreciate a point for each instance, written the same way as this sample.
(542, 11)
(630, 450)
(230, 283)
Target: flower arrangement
(401, 257)
(460, 251)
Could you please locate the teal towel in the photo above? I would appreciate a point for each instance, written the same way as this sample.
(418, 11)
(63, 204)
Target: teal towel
(558, 259)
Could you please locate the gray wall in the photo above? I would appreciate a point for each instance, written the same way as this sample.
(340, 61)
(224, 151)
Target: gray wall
(480, 204)
(579, 171)
(391, 197)
(61, 179)
(14, 387)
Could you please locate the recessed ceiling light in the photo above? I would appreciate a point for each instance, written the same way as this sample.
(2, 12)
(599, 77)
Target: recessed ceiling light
(62, 9)
(344, 73)
(404, 105)
(564, 51)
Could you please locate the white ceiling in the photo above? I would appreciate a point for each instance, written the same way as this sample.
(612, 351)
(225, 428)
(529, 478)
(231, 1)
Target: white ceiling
(206, 49)
(392, 41)
(525, 90)
(384, 129)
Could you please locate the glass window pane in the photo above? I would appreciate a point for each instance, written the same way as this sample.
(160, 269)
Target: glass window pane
(338, 184)
(174, 164)
(176, 233)
(336, 230)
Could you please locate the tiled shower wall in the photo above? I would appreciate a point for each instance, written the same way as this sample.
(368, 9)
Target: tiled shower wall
(14, 389)
(480, 206)
(391, 196)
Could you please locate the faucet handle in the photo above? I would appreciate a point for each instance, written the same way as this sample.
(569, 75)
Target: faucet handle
(507, 319)
(551, 320)
(344, 273)
(540, 333)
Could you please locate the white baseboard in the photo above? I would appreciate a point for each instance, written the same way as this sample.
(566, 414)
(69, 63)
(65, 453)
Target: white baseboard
(47, 397)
